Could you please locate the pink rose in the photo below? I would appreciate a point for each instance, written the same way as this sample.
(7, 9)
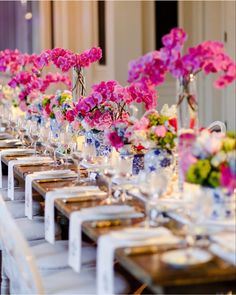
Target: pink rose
(160, 131)
(70, 116)
(142, 124)
(115, 140)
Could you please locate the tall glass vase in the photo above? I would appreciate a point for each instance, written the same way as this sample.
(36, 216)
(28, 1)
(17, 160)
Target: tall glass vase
(78, 87)
(187, 114)
(187, 104)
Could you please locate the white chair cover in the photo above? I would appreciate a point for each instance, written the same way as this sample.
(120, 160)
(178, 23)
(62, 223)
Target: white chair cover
(24, 275)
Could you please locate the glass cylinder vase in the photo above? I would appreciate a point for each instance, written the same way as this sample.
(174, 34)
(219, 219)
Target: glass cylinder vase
(187, 116)
(187, 104)
(78, 87)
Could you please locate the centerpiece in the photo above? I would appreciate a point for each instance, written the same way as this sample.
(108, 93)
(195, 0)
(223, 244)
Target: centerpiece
(212, 166)
(109, 104)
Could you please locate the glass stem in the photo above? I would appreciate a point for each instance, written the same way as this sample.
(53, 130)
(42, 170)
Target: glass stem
(54, 157)
(147, 211)
(110, 191)
(35, 148)
(78, 173)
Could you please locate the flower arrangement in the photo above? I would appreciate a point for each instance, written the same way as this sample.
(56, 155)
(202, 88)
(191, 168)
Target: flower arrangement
(32, 86)
(56, 106)
(209, 57)
(13, 61)
(66, 60)
(213, 161)
(152, 130)
(109, 103)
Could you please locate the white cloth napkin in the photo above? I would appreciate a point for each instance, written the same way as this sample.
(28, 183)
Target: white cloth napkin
(107, 244)
(89, 214)
(224, 246)
(20, 161)
(63, 193)
(9, 142)
(11, 152)
(41, 175)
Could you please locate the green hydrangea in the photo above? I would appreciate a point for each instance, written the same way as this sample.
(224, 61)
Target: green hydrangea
(229, 144)
(199, 172)
(231, 134)
(45, 101)
(214, 179)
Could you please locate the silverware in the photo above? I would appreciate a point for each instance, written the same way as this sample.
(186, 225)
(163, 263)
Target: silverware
(48, 180)
(152, 249)
(97, 195)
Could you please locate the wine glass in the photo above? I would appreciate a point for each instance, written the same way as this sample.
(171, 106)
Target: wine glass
(152, 185)
(34, 135)
(124, 169)
(44, 134)
(199, 207)
(108, 168)
(54, 143)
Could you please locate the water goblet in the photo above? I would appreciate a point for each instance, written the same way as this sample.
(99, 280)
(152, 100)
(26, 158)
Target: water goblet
(34, 135)
(54, 143)
(152, 185)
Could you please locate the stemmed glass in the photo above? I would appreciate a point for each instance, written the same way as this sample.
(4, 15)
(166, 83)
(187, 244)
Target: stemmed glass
(54, 143)
(34, 135)
(21, 129)
(44, 134)
(198, 209)
(108, 166)
(152, 185)
(124, 169)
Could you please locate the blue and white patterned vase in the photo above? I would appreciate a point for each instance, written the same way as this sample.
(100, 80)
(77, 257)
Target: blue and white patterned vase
(138, 163)
(55, 127)
(97, 139)
(224, 204)
(138, 159)
(157, 159)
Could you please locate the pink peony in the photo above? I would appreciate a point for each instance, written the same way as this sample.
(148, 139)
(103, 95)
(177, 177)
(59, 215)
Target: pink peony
(70, 116)
(142, 124)
(160, 131)
(228, 179)
(115, 140)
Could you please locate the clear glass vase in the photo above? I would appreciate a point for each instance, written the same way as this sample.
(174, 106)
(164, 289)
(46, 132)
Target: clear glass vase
(78, 87)
(187, 104)
(187, 115)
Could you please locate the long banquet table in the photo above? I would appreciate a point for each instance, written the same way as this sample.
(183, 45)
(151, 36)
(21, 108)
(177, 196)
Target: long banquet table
(143, 263)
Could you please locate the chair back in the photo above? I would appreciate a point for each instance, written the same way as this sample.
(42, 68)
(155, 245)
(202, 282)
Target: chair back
(217, 126)
(20, 263)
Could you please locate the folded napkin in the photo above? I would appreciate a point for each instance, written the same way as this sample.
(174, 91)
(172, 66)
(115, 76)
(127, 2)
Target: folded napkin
(224, 246)
(63, 193)
(227, 224)
(89, 214)
(20, 161)
(226, 239)
(41, 175)
(125, 181)
(11, 152)
(94, 166)
(4, 135)
(130, 237)
(10, 142)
